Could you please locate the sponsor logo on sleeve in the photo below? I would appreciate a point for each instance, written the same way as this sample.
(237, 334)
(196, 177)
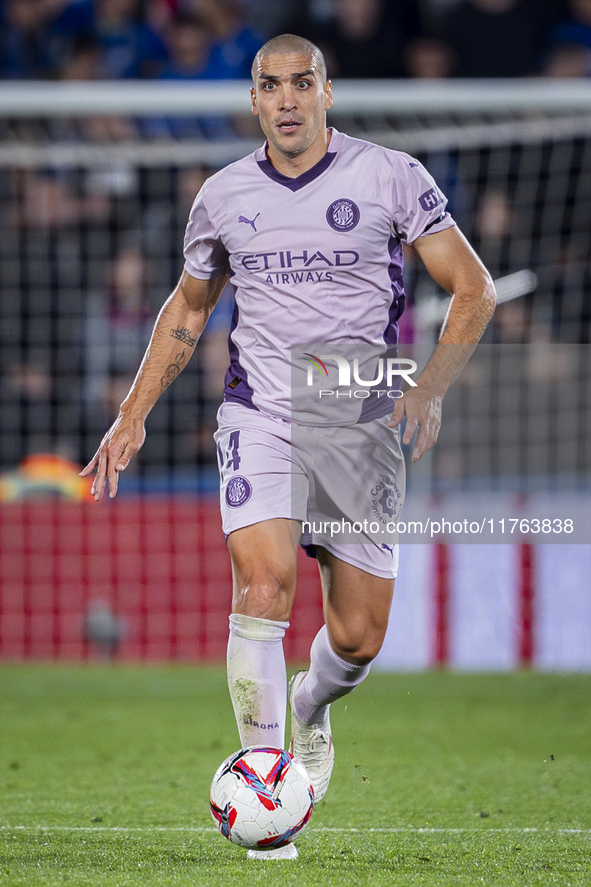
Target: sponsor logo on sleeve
(431, 199)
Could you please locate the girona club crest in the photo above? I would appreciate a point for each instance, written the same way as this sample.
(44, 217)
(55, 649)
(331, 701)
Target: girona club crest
(238, 491)
(343, 214)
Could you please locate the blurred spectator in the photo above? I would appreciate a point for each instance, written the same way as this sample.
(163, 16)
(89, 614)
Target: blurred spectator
(499, 38)
(84, 63)
(35, 35)
(164, 222)
(130, 47)
(190, 182)
(28, 399)
(129, 316)
(577, 27)
(159, 13)
(46, 200)
(40, 37)
(190, 42)
(31, 381)
(104, 629)
(27, 396)
(271, 17)
(84, 60)
(568, 60)
(235, 43)
(512, 323)
(363, 38)
(570, 53)
(428, 58)
(117, 331)
(494, 228)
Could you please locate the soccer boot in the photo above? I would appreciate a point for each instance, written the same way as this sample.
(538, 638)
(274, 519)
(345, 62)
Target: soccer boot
(290, 851)
(311, 744)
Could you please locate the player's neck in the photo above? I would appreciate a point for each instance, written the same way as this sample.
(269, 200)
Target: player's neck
(297, 165)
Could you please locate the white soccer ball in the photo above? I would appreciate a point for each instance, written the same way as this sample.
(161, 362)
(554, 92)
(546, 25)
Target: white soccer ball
(261, 798)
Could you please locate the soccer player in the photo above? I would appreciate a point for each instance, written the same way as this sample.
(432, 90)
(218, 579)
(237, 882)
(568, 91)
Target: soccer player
(309, 229)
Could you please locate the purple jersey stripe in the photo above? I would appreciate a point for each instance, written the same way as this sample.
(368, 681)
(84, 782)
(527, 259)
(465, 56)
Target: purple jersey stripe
(397, 284)
(300, 181)
(375, 406)
(237, 391)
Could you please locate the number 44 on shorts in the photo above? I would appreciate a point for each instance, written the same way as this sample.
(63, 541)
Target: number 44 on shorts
(232, 451)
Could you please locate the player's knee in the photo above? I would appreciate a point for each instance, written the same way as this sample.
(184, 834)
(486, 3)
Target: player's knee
(265, 594)
(363, 656)
(257, 597)
(357, 648)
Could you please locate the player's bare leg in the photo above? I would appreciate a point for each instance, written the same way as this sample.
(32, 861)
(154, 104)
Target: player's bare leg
(356, 608)
(264, 576)
(356, 611)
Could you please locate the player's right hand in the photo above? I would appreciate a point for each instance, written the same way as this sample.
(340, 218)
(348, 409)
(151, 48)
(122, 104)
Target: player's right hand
(422, 408)
(121, 442)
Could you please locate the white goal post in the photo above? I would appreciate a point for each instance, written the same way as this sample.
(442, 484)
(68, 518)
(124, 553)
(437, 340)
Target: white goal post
(144, 97)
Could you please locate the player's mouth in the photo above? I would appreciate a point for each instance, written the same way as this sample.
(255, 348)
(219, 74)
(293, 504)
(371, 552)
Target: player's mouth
(289, 125)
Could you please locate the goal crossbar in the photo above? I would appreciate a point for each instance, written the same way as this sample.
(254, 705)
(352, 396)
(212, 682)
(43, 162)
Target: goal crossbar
(145, 98)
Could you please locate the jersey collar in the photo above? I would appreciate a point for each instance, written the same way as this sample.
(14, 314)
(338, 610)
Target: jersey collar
(306, 177)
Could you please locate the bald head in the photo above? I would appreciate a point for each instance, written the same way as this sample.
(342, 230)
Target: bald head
(286, 44)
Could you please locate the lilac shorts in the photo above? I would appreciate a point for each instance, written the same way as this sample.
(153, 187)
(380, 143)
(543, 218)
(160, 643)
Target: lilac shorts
(345, 485)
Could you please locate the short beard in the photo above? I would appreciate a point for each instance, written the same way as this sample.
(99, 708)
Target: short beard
(293, 154)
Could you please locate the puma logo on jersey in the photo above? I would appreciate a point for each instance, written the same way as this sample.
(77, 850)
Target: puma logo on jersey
(248, 221)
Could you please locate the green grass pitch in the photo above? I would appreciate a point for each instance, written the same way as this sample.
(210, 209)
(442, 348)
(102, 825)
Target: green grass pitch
(440, 779)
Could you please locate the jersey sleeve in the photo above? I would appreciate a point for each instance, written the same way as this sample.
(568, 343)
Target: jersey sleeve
(419, 207)
(205, 254)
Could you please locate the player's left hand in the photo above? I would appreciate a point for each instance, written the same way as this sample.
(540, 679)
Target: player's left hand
(121, 442)
(422, 409)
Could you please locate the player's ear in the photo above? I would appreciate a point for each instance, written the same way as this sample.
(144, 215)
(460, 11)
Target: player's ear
(253, 101)
(328, 94)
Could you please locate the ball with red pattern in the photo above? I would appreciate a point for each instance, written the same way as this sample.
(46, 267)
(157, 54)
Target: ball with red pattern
(261, 797)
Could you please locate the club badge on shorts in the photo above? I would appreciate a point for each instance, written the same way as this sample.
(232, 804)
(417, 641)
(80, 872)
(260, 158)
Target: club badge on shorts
(238, 491)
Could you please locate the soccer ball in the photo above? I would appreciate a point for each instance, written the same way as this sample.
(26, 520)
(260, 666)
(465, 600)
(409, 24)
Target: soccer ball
(261, 797)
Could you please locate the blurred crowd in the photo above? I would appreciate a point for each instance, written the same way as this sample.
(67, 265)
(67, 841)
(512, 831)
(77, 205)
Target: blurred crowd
(217, 39)
(85, 270)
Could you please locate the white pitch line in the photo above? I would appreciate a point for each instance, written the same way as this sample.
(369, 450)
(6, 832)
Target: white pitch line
(434, 831)
(409, 830)
(108, 828)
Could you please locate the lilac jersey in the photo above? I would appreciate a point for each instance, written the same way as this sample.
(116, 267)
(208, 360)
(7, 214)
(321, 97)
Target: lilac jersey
(317, 258)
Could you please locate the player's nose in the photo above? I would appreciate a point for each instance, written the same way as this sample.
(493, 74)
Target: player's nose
(287, 101)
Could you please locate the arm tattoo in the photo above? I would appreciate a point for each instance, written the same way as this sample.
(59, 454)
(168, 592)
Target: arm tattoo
(184, 335)
(172, 370)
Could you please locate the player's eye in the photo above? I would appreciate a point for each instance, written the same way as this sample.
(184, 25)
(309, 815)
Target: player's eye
(268, 86)
(303, 84)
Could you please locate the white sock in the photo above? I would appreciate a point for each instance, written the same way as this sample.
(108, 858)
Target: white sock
(329, 677)
(257, 679)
